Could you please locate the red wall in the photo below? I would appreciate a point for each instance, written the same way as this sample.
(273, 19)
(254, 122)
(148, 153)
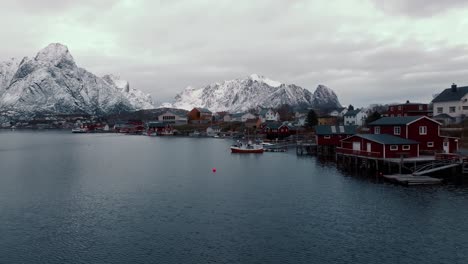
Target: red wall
(432, 135)
(376, 147)
(407, 110)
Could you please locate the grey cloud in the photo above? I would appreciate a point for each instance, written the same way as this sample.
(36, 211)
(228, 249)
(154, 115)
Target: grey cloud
(418, 8)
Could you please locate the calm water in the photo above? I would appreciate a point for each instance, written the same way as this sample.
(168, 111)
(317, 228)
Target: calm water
(68, 198)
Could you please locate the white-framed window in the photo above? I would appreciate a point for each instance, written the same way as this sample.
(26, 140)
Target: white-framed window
(397, 130)
(393, 147)
(420, 107)
(452, 109)
(377, 130)
(423, 130)
(430, 144)
(399, 107)
(326, 137)
(391, 108)
(440, 110)
(406, 147)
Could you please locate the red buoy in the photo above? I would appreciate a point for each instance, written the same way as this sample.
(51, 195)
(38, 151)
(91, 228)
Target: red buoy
(214, 170)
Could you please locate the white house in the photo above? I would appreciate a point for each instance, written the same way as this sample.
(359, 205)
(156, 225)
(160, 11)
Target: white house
(269, 115)
(213, 131)
(355, 118)
(343, 112)
(171, 118)
(453, 102)
(334, 113)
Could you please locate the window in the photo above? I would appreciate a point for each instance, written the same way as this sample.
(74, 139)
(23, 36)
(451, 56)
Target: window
(391, 108)
(422, 130)
(393, 147)
(440, 110)
(420, 107)
(406, 147)
(396, 130)
(430, 144)
(377, 130)
(452, 109)
(326, 137)
(399, 107)
(465, 107)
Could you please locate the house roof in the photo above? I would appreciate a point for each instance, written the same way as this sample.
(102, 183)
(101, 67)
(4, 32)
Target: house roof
(387, 139)
(399, 120)
(335, 130)
(443, 116)
(352, 112)
(203, 110)
(449, 95)
(274, 125)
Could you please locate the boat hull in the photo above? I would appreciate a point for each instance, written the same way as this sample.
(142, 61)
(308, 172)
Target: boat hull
(243, 150)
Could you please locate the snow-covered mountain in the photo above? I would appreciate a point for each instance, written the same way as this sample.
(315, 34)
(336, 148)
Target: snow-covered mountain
(52, 83)
(252, 92)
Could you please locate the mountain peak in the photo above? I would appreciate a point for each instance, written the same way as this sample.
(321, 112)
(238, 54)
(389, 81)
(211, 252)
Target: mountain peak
(56, 54)
(263, 79)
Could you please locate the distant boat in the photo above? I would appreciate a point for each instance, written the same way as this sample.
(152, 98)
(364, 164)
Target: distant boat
(194, 134)
(247, 148)
(79, 130)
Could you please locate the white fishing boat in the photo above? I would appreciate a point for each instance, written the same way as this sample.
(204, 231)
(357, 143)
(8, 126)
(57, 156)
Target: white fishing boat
(79, 130)
(249, 147)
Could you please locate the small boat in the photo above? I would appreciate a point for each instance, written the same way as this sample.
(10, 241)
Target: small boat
(247, 148)
(79, 130)
(194, 134)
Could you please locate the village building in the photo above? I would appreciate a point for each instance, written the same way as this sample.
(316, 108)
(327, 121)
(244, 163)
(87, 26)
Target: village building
(343, 112)
(327, 120)
(408, 109)
(332, 135)
(452, 101)
(355, 118)
(159, 128)
(277, 130)
(380, 146)
(212, 131)
(269, 115)
(253, 123)
(422, 129)
(171, 118)
(200, 115)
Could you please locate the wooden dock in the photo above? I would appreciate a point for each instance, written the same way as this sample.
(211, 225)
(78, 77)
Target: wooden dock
(411, 180)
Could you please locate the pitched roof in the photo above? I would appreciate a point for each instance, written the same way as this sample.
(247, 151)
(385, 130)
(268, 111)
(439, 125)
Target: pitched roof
(443, 116)
(449, 95)
(353, 112)
(273, 125)
(335, 130)
(203, 110)
(387, 139)
(399, 120)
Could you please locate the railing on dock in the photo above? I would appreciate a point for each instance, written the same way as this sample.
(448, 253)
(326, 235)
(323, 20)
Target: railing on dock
(358, 153)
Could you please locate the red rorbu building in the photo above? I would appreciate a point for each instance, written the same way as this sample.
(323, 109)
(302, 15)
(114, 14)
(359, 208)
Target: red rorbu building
(421, 129)
(379, 146)
(332, 135)
(274, 130)
(408, 109)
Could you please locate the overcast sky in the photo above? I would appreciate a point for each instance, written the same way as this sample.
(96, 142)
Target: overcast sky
(366, 50)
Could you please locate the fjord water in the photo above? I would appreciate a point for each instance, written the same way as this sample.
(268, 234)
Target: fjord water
(107, 198)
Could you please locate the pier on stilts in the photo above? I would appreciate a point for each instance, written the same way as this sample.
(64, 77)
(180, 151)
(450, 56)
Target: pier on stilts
(306, 147)
(404, 171)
